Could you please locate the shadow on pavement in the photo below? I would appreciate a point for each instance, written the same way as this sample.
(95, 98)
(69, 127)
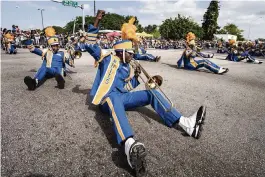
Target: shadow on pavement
(118, 155)
(38, 175)
(103, 120)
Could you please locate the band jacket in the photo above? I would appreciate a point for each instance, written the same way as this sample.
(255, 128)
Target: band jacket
(141, 51)
(188, 59)
(80, 46)
(52, 60)
(112, 75)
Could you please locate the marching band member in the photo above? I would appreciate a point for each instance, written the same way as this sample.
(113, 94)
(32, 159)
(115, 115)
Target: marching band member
(237, 54)
(53, 62)
(111, 92)
(80, 45)
(220, 46)
(10, 44)
(200, 54)
(141, 54)
(188, 58)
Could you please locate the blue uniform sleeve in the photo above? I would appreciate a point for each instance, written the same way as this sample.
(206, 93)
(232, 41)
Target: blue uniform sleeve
(91, 47)
(132, 84)
(77, 47)
(37, 51)
(94, 50)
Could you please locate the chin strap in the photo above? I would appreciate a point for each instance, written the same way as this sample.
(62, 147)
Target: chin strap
(123, 55)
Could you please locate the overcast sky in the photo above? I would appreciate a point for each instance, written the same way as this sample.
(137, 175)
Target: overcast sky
(246, 14)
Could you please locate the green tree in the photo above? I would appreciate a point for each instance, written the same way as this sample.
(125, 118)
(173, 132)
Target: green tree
(179, 27)
(231, 28)
(59, 30)
(110, 21)
(150, 28)
(156, 34)
(139, 28)
(210, 17)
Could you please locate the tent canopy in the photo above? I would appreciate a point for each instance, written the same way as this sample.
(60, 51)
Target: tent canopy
(105, 31)
(225, 37)
(144, 34)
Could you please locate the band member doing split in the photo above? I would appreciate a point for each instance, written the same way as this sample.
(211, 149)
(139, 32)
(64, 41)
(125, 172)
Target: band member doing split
(190, 63)
(111, 91)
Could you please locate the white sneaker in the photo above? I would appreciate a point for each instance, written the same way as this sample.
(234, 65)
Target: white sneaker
(193, 125)
(223, 70)
(258, 62)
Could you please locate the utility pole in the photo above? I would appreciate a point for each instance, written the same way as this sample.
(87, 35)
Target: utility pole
(83, 10)
(250, 27)
(74, 27)
(94, 7)
(41, 17)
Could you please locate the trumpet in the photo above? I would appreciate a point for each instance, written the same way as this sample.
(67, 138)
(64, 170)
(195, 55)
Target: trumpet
(74, 54)
(151, 83)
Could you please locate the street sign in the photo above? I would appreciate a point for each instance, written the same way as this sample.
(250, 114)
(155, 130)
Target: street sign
(70, 3)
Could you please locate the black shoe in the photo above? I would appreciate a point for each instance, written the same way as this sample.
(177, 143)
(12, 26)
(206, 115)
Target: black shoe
(137, 159)
(31, 83)
(60, 81)
(158, 58)
(197, 131)
(201, 115)
(226, 70)
(200, 118)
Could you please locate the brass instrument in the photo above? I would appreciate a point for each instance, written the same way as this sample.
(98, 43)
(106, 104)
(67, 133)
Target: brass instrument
(151, 83)
(73, 53)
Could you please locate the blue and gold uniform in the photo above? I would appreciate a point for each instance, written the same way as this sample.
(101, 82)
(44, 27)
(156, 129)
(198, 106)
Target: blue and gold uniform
(53, 65)
(237, 54)
(10, 44)
(80, 46)
(111, 91)
(141, 54)
(220, 47)
(188, 59)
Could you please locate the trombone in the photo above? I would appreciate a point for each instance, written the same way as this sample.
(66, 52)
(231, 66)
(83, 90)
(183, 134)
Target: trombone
(153, 82)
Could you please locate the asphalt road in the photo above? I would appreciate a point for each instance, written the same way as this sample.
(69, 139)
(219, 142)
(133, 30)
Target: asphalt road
(52, 132)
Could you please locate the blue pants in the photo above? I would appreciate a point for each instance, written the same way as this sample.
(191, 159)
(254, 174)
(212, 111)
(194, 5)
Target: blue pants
(203, 55)
(12, 49)
(208, 65)
(146, 57)
(48, 72)
(203, 64)
(248, 57)
(117, 103)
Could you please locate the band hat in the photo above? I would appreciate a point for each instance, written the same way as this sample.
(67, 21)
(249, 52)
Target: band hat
(53, 41)
(123, 45)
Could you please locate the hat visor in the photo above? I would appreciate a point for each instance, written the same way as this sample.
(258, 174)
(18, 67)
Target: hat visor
(55, 43)
(126, 50)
